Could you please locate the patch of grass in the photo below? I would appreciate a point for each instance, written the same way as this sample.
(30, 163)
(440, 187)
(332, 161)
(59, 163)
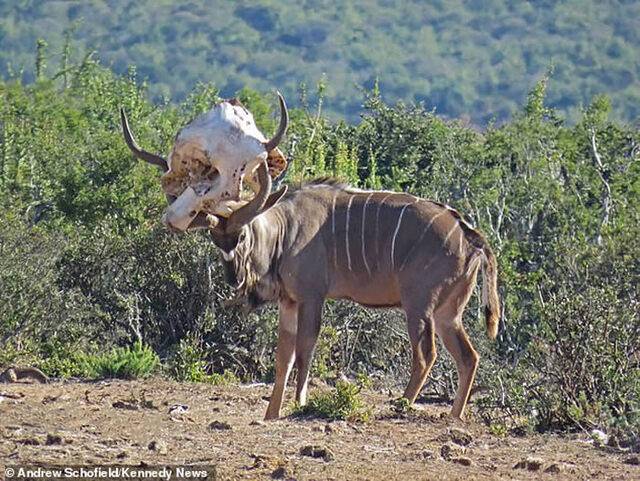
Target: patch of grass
(402, 405)
(61, 359)
(344, 402)
(137, 361)
(499, 430)
(187, 364)
(224, 379)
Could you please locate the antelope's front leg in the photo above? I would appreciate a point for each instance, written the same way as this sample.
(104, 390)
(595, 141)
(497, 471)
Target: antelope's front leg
(285, 352)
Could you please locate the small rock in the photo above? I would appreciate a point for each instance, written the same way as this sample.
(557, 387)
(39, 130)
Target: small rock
(427, 454)
(53, 439)
(633, 460)
(219, 426)
(121, 455)
(281, 472)
(29, 441)
(256, 423)
(159, 446)
(451, 450)
(530, 464)
(460, 436)
(317, 452)
(461, 460)
(178, 409)
(126, 405)
(554, 468)
(149, 404)
(520, 465)
(599, 437)
(259, 461)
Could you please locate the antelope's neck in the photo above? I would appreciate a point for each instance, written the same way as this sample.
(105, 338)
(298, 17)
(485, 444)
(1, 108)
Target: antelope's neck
(258, 257)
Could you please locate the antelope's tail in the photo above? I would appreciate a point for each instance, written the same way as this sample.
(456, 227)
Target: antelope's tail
(490, 297)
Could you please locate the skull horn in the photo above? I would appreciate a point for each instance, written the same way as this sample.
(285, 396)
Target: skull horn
(246, 213)
(282, 128)
(137, 151)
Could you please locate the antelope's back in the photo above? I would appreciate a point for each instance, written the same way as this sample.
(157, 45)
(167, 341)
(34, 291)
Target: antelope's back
(373, 239)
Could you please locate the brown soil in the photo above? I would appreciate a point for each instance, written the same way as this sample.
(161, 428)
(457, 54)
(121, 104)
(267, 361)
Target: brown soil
(120, 422)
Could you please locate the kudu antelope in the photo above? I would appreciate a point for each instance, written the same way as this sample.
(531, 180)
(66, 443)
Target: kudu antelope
(380, 249)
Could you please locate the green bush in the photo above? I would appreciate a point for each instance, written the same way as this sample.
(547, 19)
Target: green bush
(136, 362)
(343, 402)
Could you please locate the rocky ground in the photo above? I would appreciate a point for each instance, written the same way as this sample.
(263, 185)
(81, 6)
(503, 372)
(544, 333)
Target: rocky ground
(160, 422)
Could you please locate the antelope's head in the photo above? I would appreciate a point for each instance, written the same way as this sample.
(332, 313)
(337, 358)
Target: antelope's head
(211, 157)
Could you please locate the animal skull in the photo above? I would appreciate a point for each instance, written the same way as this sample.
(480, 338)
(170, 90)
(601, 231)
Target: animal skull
(210, 158)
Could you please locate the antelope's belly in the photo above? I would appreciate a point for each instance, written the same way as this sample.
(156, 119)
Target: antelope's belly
(378, 291)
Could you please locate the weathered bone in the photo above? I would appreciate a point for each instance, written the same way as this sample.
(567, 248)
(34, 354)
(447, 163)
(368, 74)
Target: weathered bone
(211, 157)
(137, 151)
(246, 213)
(282, 128)
(243, 213)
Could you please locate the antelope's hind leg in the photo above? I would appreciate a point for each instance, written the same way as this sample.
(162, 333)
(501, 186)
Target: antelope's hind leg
(451, 331)
(457, 342)
(285, 353)
(423, 348)
(309, 319)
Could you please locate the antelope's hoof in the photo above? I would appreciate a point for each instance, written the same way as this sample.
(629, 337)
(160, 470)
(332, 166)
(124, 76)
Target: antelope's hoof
(271, 416)
(457, 418)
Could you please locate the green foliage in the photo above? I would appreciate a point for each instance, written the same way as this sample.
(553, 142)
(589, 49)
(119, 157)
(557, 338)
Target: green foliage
(136, 362)
(346, 163)
(402, 405)
(85, 262)
(589, 333)
(60, 359)
(343, 402)
(471, 59)
(188, 364)
(323, 365)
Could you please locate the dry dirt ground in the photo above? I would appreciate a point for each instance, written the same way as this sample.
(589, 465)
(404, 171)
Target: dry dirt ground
(160, 422)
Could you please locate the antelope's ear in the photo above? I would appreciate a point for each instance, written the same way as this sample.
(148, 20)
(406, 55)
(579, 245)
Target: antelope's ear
(273, 199)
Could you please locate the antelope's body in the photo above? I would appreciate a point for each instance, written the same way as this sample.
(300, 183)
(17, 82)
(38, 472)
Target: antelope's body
(327, 240)
(379, 249)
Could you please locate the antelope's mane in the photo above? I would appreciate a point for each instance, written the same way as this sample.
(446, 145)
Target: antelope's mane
(322, 182)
